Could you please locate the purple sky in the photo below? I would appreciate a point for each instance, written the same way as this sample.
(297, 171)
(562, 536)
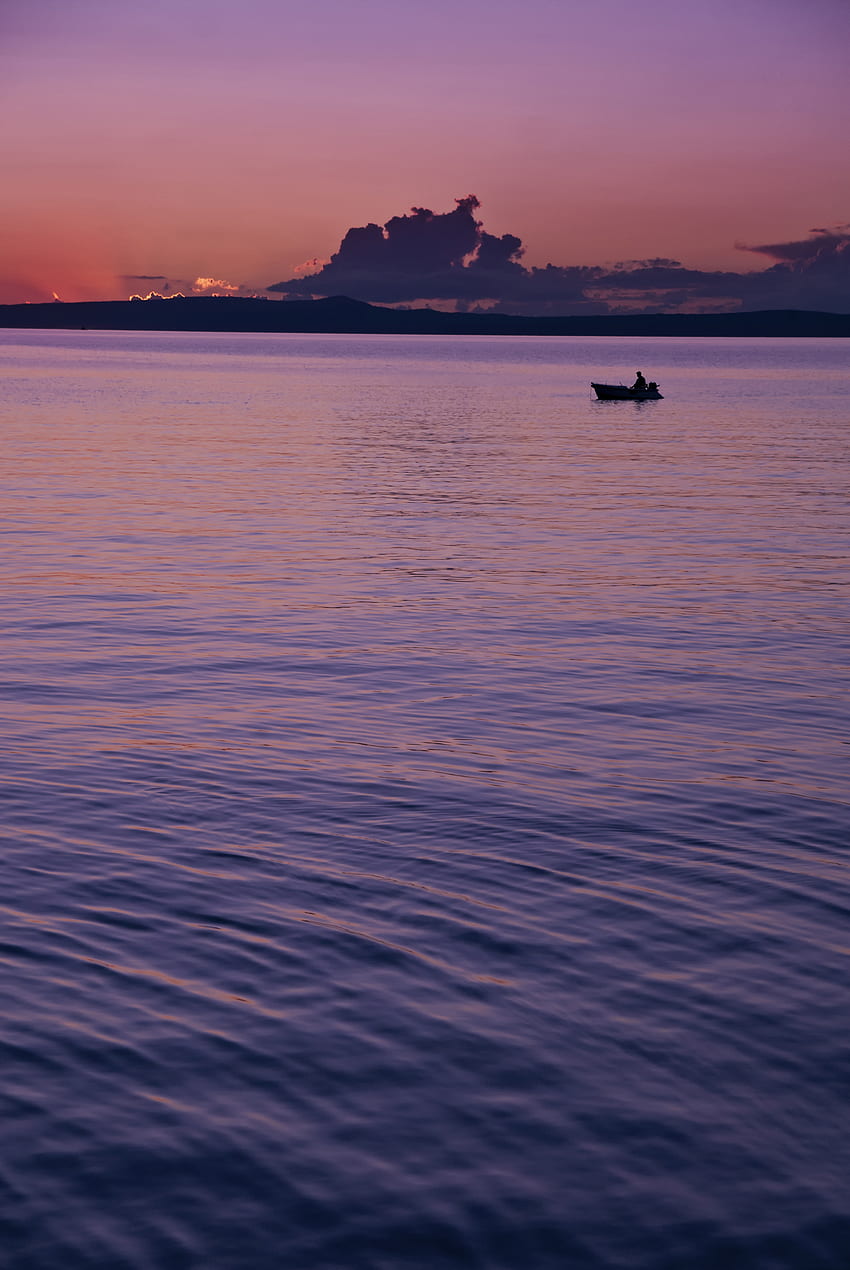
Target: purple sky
(202, 139)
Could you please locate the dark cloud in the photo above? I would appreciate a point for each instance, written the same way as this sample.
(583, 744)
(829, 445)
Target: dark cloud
(144, 277)
(825, 244)
(812, 273)
(449, 257)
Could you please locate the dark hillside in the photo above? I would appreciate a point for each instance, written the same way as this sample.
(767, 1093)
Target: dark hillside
(341, 315)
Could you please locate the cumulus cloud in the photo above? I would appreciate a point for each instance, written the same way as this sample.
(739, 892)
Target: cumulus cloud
(438, 257)
(214, 286)
(449, 258)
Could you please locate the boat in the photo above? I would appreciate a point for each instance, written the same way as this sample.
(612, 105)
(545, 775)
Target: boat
(621, 392)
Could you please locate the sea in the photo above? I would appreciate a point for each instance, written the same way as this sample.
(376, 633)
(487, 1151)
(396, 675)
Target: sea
(424, 804)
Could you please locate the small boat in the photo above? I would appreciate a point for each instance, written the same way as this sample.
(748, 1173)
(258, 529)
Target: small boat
(621, 392)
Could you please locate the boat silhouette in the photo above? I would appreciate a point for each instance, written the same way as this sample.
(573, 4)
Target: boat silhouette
(621, 392)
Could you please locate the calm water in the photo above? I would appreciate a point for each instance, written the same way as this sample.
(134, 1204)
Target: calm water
(424, 804)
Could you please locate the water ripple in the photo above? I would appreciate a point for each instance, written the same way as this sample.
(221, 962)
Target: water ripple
(423, 805)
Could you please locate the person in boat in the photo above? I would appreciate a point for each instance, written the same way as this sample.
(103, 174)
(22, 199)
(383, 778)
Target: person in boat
(640, 383)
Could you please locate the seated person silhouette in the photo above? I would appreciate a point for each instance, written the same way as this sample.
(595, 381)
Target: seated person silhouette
(640, 383)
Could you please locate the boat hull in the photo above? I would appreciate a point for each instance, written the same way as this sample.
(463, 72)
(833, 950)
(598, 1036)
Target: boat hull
(619, 392)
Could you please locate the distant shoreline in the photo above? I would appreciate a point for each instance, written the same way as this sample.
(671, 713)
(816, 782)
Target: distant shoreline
(339, 315)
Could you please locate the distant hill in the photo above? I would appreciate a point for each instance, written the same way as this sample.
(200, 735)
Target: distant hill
(341, 315)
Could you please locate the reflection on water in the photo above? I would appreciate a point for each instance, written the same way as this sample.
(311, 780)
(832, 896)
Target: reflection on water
(422, 804)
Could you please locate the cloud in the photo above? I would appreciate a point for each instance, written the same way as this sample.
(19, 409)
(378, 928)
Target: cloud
(445, 256)
(214, 286)
(159, 295)
(311, 266)
(449, 259)
(178, 288)
(822, 245)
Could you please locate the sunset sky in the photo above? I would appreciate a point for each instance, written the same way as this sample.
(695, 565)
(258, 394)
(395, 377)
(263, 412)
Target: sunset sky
(178, 139)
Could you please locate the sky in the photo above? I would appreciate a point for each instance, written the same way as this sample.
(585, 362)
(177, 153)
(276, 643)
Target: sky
(148, 146)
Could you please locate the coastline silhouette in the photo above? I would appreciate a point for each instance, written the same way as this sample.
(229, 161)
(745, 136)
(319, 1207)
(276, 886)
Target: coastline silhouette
(343, 315)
